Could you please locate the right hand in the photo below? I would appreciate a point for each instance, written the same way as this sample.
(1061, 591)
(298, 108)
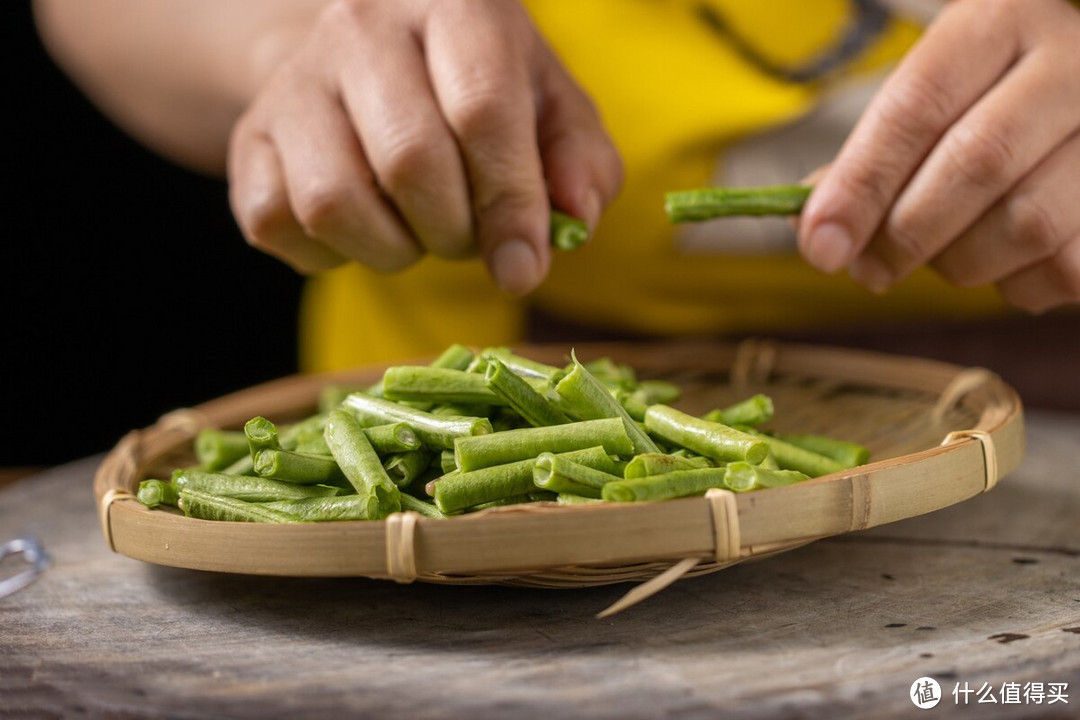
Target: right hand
(399, 128)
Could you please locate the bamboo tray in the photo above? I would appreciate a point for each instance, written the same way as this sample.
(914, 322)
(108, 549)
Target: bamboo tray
(938, 433)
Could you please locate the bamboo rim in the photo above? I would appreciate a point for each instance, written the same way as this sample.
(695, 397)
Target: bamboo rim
(544, 545)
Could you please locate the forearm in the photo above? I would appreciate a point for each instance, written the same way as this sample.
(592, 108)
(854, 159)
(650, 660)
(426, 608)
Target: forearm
(175, 74)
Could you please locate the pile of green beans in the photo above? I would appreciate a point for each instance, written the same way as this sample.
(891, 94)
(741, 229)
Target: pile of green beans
(477, 430)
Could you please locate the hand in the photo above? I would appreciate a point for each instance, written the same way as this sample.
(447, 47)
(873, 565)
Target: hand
(399, 128)
(967, 160)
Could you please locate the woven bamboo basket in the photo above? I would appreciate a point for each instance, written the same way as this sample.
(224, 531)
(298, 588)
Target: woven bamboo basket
(938, 433)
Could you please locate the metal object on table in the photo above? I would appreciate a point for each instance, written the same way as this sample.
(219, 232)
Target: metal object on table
(33, 555)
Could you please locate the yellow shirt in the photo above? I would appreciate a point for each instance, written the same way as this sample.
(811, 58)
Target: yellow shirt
(675, 96)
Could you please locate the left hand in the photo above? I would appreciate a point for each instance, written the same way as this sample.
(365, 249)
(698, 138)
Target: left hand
(967, 160)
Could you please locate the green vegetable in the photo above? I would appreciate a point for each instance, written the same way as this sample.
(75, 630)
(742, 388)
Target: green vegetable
(347, 507)
(793, 457)
(522, 366)
(752, 411)
(713, 440)
(436, 385)
(707, 203)
(584, 397)
(248, 489)
(297, 468)
(473, 453)
(408, 502)
(205, 506)
(261, 434)
(563, 475)
(520, 395)
(152, 493)
(435, 432)
(218, 449)
(846, 453)
(680, 483)
(567, 233)
(659, 463)
(403, 468)
(742, 476)
(358, 461)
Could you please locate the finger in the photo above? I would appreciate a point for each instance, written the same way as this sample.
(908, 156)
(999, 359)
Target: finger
(581, 164)
(261, 207)
(330, 186)
(1047, 284)
(485, 88)
(1028, 225)
(411, 150)
(940, 78)
(996, 143)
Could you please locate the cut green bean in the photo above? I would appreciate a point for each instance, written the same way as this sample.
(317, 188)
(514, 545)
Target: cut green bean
(520, 395)
(632, 403)
(610, 373)
(473, 453)
(244, 467)
(713, 440)
(523, 366)
(331, 396)
(793, 457)
(648, 464)
(152, 493)
(408, 502)
(586, 398)
(680, 483)
(403, 468)
(205, 506)
(294, 467)
(652, 392)
(437, 385)
(436, 432)
(567, 233)
(218, 449)
(330, 509)
(261, 434)
(455, 357)
(707, 203)
(751, 411)
(312, 442)
(357, 458)
(562, 475)
(846, 453)
(447, 461)
(459, 490)
(533, 497)
(742, 476)
(456, 410)
(396, 437)
(571, 499)
(248, 489)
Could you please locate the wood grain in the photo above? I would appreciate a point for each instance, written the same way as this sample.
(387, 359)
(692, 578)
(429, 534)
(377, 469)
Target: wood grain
(838, 629)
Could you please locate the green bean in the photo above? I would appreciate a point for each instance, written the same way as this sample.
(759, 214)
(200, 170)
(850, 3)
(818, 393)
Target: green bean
(403, 468)
(244, 467)
(294, 467)
(520, 395)
(571, 499)
(680, 483)
(846, 453)
(392, 438)
(632, 403)
(742, 476)
(648, 464)
(331, 396)
(652, 392)
(567, 233)
(152, 493)
(358, 460)
(329, 509)
(752, 411)
(560, 474)
(218, 449)
(533, 497)
(584, 397)
(436, 385)
(290, 436)
(248, 489)
(610, 373)
(312, 442)
(523, 366)
(408, 502)
(205, 506)
(708, 203)
(447, 462)
(713, 440)
(793, 457)
(459, 490)
(435, 432)
(455, 357)
(473, 453)
(261, 434)
(457, 410)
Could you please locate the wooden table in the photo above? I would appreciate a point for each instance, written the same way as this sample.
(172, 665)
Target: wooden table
(986, 592)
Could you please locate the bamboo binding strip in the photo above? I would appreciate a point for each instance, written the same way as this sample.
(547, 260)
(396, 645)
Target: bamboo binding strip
(944, 447)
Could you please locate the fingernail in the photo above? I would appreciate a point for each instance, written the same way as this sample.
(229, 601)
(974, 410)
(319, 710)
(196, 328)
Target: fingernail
(828, 247)
(872, 273)
(514, 265)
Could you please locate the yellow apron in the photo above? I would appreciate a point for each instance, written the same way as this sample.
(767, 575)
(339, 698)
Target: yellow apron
(674, 96)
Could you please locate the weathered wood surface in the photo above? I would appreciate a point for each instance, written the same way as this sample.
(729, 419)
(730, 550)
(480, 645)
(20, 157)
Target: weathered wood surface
(985, 592)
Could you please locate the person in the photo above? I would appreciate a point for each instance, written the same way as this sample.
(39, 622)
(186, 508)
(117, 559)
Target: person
(375, 145)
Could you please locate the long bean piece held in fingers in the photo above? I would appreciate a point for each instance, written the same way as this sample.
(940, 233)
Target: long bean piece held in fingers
(710, 439)
(708, 203)
(567, 233)
(473, 453)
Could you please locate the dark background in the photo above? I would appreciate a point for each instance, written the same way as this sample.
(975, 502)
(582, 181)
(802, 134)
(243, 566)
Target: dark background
(127, 290)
